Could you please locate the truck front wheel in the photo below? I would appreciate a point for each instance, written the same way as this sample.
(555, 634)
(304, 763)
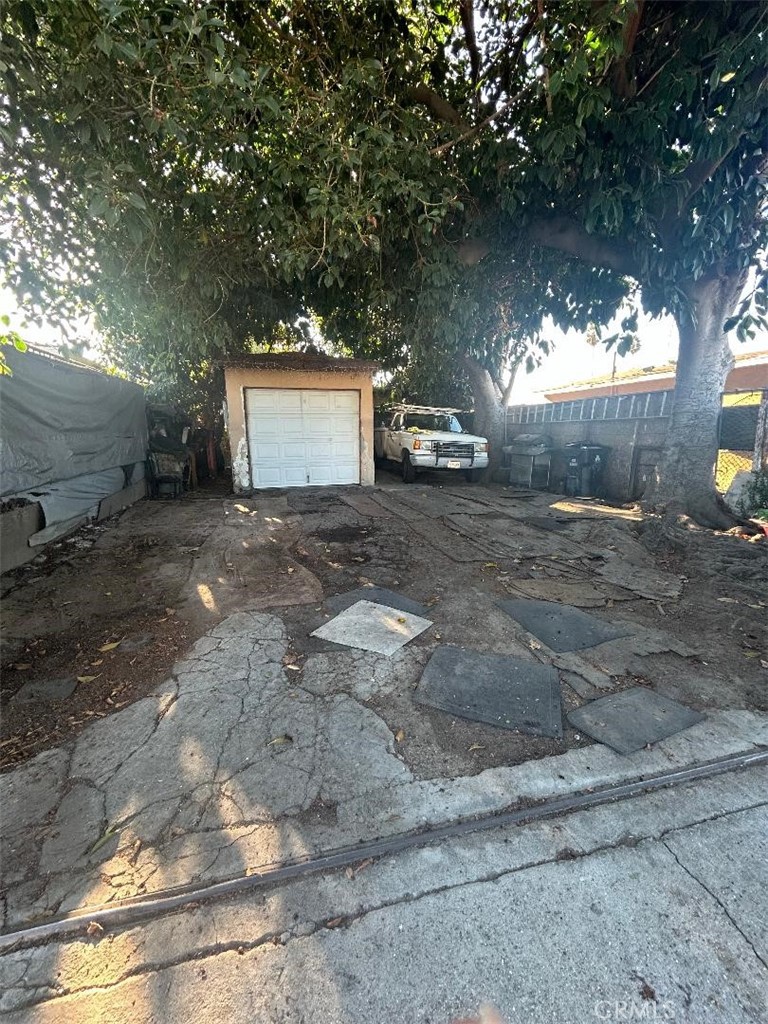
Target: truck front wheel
(408, 468)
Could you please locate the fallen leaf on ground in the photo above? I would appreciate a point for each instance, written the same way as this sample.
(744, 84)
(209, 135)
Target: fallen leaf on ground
(99, 661)
(400, 735)
(335, 922)
(94, 929)
(110, 647)
(401, 618)
(280, 741)
(291, 569)
(294, 668)
(493, 565)
(104, 839)
(728, 600)
(22, 667)
(476, 746)
(86, 679)
(243, 509)
(349, 873)
(170, 611)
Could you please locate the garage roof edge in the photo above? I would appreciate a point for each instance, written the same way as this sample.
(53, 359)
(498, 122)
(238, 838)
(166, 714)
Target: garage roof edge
(297, 361)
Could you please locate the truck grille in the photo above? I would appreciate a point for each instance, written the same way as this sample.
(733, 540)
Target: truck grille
(454, 450)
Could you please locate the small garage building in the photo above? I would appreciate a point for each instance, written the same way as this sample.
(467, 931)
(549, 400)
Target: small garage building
(299, 420)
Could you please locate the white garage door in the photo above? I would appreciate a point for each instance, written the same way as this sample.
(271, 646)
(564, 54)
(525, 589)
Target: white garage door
(300, 438)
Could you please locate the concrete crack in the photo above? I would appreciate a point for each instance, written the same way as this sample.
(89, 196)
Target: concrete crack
(718, 901)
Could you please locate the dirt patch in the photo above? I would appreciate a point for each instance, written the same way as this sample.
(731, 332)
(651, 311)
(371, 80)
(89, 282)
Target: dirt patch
(435, 744)
(108, 583)
(203, 559)
(108, 680)
(343, 534)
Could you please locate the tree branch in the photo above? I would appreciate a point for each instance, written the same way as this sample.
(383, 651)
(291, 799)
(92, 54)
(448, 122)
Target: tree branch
(621, 83)
(569, 236)
(507, 394)
(467, 13)
(439, 150)
(506, 60)
(441, 108)
(698, 173)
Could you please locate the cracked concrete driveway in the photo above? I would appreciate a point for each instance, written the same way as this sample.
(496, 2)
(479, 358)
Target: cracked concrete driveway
(263, 744)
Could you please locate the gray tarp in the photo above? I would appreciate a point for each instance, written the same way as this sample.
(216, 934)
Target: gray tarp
(68, 503)
(59, 421)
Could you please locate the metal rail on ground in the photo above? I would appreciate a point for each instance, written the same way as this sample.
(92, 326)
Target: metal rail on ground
(135, 909)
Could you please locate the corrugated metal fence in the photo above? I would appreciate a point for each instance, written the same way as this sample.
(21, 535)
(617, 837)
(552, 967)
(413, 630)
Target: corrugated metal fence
(640, 406)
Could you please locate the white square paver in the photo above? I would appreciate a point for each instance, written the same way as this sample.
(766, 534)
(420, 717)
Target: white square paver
(373, 627)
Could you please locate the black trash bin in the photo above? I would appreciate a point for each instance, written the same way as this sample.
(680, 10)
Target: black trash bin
(586, 463)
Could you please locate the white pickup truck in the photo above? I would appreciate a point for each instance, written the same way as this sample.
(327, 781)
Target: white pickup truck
(421, 438)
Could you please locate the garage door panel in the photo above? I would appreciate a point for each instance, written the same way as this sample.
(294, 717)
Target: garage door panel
(276, 426)
(258, 400)
(265, 451)
(305, 437)
(344, 451)
(333, 474)
(320, 401)
(315, 423)
(294, 451)
(322, 450)
(267, 476)
(347, 425)
(289, 401)
(346, 401)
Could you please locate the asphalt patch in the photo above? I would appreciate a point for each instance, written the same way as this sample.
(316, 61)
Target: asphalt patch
(343, 534)
(561, 627)
(507, 692)
(633, 719)
(379, 595)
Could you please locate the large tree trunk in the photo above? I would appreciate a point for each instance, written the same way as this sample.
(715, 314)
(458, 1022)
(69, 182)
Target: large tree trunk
(685, 478)
(490, 411)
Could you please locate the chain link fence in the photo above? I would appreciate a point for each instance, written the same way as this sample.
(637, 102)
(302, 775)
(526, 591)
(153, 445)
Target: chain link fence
(729, 463)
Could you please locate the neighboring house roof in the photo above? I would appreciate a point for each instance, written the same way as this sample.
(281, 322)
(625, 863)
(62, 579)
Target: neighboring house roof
(750, 371)
(306, 361)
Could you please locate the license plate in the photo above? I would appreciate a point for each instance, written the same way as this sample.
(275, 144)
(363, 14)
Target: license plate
(454, 463)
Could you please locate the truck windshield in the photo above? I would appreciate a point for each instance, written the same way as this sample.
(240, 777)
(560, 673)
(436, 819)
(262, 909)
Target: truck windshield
(433, 421)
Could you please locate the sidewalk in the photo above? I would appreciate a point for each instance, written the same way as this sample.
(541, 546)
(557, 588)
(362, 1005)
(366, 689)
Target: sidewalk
(654, 907)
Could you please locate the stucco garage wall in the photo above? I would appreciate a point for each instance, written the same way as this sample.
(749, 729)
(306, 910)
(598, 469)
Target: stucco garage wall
(239, 378)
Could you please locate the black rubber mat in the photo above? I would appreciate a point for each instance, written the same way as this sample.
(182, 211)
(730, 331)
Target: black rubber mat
(379, 595)
(630, 720)
(507, 692)
(561, 627)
